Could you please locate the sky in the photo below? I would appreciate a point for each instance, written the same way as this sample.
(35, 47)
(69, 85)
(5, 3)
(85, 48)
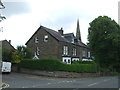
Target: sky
(24, 17)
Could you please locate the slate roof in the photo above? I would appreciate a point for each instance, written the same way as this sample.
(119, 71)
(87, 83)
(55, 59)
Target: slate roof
(68, 35)
(58, 36)
(55, 34)
(4, 42)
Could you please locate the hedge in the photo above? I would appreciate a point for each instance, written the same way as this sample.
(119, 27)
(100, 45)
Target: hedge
(57, 65)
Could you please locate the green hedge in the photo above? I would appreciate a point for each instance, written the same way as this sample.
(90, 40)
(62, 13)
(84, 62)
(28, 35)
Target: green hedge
(56, 65)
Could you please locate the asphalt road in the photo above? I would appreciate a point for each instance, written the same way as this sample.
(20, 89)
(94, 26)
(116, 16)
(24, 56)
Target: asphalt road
(18, 80)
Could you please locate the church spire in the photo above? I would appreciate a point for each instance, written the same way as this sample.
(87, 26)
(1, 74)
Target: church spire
(78, 35)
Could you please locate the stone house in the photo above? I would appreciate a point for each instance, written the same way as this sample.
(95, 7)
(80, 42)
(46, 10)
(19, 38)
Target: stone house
(48, 43)
(7, 45)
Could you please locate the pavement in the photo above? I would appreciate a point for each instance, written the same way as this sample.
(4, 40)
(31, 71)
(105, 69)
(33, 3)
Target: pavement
(19, 80)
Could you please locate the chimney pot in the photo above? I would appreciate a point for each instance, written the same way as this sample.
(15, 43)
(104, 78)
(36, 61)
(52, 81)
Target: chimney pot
(61, 31)
(10, 41)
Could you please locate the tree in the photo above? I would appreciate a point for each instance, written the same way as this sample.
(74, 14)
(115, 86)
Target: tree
(16, 58)
(104, 40)
(24, 52)
(6, 55)
(1, 7)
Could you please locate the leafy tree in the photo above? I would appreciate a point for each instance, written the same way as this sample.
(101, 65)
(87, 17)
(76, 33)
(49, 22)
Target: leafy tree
(6, 55)
(104, 40)
(2, 7)
(24, 52)
(16, 58)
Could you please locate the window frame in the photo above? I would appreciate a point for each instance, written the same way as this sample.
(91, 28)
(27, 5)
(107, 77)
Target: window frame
(36, 40)
(65, 50)
(45, 38)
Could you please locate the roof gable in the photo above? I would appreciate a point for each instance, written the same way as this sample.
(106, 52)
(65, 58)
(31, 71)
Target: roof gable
(7, 45)
(55, 34)
(58, 36)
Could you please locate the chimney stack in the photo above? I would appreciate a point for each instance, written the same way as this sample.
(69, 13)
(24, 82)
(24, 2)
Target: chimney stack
(10, 41)
(61, 31)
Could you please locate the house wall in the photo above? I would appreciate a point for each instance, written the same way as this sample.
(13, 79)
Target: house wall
(54, 48)
(70, 51)
(47, 49)
(7, 45)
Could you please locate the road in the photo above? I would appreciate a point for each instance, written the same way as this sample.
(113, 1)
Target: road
(18, 80)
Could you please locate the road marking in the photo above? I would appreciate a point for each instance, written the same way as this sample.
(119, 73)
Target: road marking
(106, 80)
(68, 81)
(92, 84)
(5, 85)
(49, 83)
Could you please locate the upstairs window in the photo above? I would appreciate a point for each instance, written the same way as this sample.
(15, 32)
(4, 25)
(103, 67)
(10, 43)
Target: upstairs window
(36, 39)
(46, 38)
(65, 50)
(37, 51)
(89, 54)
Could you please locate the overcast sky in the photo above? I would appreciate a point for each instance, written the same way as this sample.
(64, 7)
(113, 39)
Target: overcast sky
(24, 17)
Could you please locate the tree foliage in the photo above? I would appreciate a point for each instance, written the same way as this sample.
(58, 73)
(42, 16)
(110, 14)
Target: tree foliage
(16, 58)
(2, 7)
(6, 55)
(104, 40)
(24, 52)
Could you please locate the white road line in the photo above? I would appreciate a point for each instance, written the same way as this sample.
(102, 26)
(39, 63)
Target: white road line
(106, 80)
(92, 84)
(6, 85)
(49, 83)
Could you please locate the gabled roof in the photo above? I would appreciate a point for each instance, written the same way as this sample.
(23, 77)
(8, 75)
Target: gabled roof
(72, 35)
(8, 44)
(69, 34)
(82, 44)
(58, 36)
(55, 34)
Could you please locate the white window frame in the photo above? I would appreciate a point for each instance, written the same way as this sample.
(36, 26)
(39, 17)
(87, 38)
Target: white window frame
(74, 52)
(36, 40)
(65, 50)
(66, 60)
(89, 54)
(46, 38)
(37, 51)
(75, 59)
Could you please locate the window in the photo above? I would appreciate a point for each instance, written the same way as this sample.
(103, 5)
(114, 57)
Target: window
(74, 52)
(46, 38)
(65, 50)
(83, 53)
(65, 60)
(89, 54)
(68, 61)
(36, 40)
(37, 51)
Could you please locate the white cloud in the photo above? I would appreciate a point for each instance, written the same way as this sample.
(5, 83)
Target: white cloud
(56, 14)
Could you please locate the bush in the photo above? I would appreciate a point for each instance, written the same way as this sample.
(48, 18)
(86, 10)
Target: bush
(56, 65)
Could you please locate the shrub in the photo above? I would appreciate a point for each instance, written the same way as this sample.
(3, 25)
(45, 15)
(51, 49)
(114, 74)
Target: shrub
(56, 65)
